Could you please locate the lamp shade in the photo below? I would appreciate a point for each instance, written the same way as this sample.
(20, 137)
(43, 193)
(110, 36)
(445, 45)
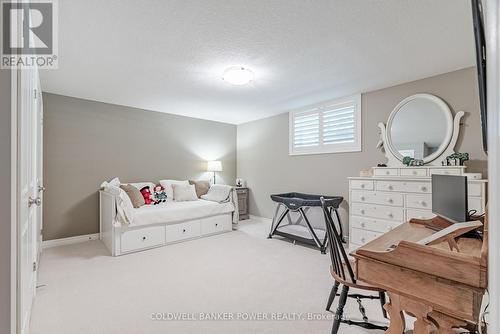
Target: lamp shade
(214, 166)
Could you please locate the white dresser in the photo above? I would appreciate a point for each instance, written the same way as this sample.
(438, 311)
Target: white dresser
(394, 195)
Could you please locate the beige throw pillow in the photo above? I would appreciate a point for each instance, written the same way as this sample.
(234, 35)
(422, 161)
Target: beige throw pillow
(201, 187)
(134, 194)
(184, 193)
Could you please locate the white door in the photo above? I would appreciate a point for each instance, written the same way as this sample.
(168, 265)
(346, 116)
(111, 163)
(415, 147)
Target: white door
(28, 129)
(39, 169)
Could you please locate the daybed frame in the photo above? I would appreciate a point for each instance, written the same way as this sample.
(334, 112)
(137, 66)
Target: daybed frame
(122, 240)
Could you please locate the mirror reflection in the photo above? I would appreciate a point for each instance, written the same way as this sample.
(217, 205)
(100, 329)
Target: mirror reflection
(418, 129)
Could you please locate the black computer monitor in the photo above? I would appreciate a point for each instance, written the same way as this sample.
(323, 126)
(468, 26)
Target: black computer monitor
(449, 197)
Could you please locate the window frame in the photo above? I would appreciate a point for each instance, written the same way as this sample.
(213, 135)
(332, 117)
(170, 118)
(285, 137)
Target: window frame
(320, 108)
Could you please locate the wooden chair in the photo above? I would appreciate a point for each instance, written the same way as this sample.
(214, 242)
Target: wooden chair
(343, 274)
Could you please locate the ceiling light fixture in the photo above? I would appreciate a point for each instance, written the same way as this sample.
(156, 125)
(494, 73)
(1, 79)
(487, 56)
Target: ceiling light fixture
(238, 75)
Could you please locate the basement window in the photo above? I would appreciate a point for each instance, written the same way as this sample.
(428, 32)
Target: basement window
(330, 127)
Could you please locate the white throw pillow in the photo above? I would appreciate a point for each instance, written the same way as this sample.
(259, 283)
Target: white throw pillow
(167, 184)
(184, 193)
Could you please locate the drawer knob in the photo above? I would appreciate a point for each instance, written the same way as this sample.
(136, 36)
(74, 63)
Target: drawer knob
(423, 203)
(389, 214)
(143, 238)
(216, 224)
(390, 200)
(414, 172)
(362, 224)
(362, 198)
(363, 240)
(387, 172)
(184, 230)
(389, 187)
(423, 188)
(362, 185)
(362, 212)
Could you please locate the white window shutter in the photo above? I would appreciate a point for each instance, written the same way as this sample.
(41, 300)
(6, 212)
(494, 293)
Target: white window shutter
(327, 128)
(306, 130)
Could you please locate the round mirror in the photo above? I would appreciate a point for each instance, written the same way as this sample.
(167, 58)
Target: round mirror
(420, 127)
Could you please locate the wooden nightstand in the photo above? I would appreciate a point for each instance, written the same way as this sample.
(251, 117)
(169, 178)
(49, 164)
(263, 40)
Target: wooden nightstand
(242, 193)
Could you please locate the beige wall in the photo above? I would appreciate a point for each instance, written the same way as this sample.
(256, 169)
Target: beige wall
(264, 162)
(87, 142)
(5, 202)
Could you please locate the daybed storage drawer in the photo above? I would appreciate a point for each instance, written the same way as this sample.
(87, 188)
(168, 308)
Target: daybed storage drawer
(377, 198)
(216, 224)
(142, 238)
(362, 184)
(182, 231)
(378, 211)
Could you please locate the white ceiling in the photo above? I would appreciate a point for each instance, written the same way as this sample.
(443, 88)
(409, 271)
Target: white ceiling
(169, 56)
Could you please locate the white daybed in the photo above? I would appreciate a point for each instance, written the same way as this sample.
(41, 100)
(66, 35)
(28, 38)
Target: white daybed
(162, 224)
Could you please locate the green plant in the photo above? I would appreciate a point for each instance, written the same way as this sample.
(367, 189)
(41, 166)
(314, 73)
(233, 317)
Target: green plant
(407, 161)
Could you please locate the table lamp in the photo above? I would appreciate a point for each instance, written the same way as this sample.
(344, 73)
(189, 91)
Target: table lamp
(214, 166)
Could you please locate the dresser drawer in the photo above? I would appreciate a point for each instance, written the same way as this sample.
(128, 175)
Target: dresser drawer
(183, 231)
(385, 172)
(361, 237)
(374, 197)
(476, 203)
(475, 189)
(377, 211)
(404, 186)
(419, 214)
(142, 238)
(414, 172)
(362, 184)
(445, 171)
(374, 225)
(419, 201)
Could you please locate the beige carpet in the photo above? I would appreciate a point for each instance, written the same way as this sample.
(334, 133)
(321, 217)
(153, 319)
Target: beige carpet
(238, 274)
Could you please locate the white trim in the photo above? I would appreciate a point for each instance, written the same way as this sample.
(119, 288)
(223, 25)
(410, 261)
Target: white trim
(492, 26)
(329, 148)
(13, 200)
(70, 240)
(259, 218)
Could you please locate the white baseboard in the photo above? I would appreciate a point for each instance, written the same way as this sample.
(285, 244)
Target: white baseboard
(262, 219)
(70, 240)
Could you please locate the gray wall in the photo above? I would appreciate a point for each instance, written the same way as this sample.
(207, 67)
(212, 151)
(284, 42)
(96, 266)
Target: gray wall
(87, 142)
(264, 162)
(5, 201)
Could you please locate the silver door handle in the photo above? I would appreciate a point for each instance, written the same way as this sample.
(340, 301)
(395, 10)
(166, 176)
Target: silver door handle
(34, 201)
(41, 188)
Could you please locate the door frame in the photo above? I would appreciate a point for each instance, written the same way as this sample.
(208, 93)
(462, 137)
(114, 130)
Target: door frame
(14, 206)
(492, 26)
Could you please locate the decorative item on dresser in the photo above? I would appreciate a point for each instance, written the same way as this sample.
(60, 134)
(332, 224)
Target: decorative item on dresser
(242, 193)
(421, 127)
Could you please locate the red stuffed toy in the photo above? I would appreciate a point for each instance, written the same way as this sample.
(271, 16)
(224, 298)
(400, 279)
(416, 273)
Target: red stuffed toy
(148, 197)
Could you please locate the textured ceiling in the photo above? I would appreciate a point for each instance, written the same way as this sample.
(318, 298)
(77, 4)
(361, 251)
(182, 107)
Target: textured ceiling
(169, 56)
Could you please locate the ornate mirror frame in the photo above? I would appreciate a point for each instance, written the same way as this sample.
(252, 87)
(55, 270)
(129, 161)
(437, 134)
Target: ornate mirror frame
(446, 148)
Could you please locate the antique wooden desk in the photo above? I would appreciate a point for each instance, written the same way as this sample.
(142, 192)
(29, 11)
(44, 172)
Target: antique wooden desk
(442, 288)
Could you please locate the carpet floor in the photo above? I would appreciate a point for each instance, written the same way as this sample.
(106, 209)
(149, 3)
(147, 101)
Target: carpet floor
(238, 282)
